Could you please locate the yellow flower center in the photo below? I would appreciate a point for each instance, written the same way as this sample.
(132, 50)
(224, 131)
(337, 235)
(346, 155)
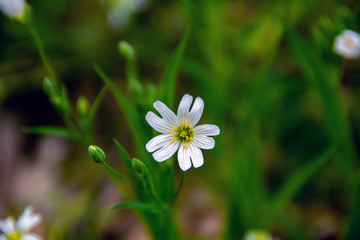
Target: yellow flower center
(350, 42)
(14, 236)
(184, 133)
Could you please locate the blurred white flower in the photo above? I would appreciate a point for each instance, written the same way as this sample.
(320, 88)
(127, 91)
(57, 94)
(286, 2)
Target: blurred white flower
(258, 235)
(120, 11)
(179, 133)
(347, 44)
(20, 230)
(13, 8)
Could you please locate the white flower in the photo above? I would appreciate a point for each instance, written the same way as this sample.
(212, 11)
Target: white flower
(179, 132)
(257, 235)
(347, 44)
(13, 8)
(20, 230)
(119, 11)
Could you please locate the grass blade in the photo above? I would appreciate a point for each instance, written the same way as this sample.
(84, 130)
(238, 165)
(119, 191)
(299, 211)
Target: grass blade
(328, 91)
(167, 86)
(124, 155)
(128, 109)
(138, 206)
(354, 216)
(50, 130)
(97, 103)
(298, 179)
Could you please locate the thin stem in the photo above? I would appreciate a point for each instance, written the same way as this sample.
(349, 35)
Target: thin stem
(42, 52)
(180, 185)
(107, 166)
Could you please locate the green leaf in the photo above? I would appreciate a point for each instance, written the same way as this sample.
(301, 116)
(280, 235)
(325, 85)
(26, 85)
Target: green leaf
(50, 130)
(128, 109)
(298, 180)
(138, 206)
(96, 105)
(354, 216)
(167, 85)
(328, 90)
(124, 155)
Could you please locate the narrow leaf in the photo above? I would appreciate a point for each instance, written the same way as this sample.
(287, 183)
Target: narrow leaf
(327, 89)
(354, 216)
(50, 130)
(124, 155)
(129, 111)
(167, 85)
(96, 105)
(138, 206)
(298, 180)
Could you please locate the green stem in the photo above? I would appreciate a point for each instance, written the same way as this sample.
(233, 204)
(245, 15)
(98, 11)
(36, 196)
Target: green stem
(42, 52)
(180, 185)
(107, 166)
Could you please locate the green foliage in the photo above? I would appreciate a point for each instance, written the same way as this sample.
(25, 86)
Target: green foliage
(286, 105)
(167, 85)
(297, 181)
(138, 206)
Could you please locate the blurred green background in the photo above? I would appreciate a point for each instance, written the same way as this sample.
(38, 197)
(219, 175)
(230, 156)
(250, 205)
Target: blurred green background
(269, 78)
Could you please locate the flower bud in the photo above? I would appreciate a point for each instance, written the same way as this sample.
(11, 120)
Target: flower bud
(82, 105)
(96, 153)
(138, 166)
(16, 9)
(49, 87)
(142, 174)
(126, 50)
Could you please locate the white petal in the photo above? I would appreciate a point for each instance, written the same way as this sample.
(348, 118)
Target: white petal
(347, 44)
(158, 142)
(30, 237)
(2, 237)
(204, 142)
(196, 111)
(13, 8)
(157, 123)
(166, 113)
(196, 155)
(7, 226)
(184, 157)
(207, 130)
(184, 107)
(166, 151)
(28, 219)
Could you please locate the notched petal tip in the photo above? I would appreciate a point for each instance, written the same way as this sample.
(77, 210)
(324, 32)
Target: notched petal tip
(197, 166)
(185, 168)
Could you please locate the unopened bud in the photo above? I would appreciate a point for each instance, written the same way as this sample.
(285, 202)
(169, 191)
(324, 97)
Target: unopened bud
(138, 166)
(126, 50)
(142, 174)
(82, 105)
(16, 9)
(49, 87)
(96, 153)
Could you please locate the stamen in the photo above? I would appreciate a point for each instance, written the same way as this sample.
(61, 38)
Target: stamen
(191, 138)
(169, 132)
(183, 123)
(191, 127)
(186, 125)
(187, 138)
(174, 127)
(173, 139)
(185, 144)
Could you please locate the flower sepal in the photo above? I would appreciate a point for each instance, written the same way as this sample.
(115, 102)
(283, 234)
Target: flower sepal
(143, 176)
